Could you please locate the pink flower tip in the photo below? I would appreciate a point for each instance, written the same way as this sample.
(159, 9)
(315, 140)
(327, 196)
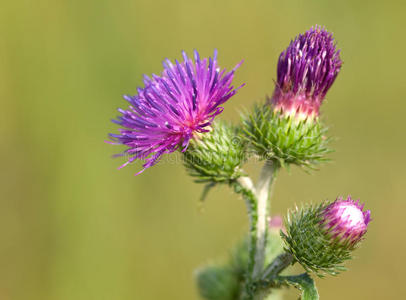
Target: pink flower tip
(346, 220)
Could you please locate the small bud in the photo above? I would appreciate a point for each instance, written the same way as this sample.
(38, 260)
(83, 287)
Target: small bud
(322, 237)
(306, 71)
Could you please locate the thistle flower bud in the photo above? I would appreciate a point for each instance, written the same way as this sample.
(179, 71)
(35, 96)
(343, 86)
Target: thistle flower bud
(289, 131)
(322, 237)
(306, 71)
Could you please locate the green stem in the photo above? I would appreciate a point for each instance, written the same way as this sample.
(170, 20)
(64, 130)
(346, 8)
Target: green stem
(247, 189)
(280, 263)
(263, 190)
(257, 200)
(270, 277)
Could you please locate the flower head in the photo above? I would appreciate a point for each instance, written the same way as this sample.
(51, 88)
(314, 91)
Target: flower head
(306, 71)
(322, 237)
(346, 220)
(172, 108)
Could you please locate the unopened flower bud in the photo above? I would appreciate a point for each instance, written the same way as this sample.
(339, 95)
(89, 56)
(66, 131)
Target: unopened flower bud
(287, 128)
(322, 237)
(306, 71)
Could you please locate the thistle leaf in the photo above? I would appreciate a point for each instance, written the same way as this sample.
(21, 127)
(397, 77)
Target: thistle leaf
(304, 283)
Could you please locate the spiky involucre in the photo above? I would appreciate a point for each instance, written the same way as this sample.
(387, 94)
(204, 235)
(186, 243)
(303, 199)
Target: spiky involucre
(309, 244)
(217, 155)
(285, 139)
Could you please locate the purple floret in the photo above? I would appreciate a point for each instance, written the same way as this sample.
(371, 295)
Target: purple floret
(306, 71)
(346, 220)
(164, 115)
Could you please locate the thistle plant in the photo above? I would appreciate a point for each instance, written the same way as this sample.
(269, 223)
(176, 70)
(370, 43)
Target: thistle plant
(175, 112)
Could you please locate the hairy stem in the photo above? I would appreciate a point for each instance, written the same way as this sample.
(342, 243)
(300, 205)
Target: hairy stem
(247, 189)
(280, 263)
(263, 190)
(257, 198)
(270, 277)
(246, 183)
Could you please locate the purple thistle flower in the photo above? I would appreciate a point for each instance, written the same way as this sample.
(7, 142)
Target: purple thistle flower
(306, 71)
(172, 108)
(346, 221)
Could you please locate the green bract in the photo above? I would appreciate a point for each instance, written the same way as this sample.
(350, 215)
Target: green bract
(284, 138)
(216, 156)
(309, 244)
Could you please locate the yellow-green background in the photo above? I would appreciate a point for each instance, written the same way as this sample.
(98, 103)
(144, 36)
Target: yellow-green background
(72, 227)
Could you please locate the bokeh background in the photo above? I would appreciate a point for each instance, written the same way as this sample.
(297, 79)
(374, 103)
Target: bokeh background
(73, 227)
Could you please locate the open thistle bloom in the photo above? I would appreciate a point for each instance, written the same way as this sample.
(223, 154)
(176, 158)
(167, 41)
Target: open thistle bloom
(306, 71)
(322, 237)
(345, 221)
(172, 108)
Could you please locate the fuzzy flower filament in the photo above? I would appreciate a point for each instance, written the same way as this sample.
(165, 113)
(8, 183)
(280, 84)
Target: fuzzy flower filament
(172, 108)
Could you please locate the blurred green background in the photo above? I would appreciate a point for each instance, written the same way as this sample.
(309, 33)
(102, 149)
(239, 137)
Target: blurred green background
(73, 227)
